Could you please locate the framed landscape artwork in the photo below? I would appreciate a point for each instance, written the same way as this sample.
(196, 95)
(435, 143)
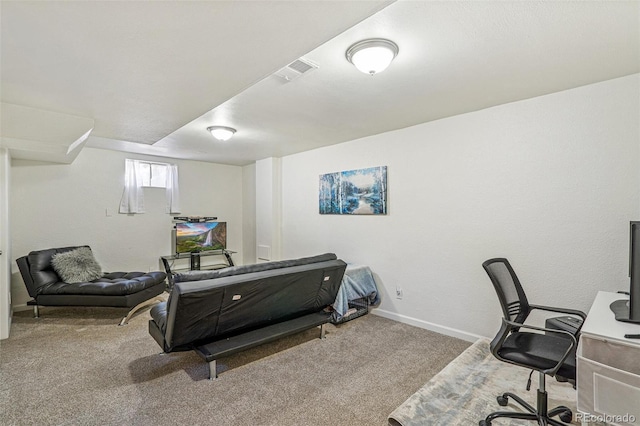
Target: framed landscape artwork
(362, 191)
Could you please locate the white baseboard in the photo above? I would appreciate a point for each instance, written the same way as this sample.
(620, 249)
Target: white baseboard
(448, 331)
(22, 307)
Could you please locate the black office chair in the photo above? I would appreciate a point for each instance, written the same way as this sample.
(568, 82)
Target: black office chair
(551, 353)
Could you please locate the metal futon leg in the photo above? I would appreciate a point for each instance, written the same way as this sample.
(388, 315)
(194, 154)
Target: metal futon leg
(213, 374)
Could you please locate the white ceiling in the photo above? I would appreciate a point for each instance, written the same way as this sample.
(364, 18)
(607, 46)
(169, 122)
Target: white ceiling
(152, 76)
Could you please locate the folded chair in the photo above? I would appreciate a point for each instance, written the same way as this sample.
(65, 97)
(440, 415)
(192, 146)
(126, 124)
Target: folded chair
(549, 352)
(133, 290)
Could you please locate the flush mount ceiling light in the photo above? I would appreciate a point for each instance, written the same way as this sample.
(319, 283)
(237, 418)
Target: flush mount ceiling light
(373, 55)
(221, 133)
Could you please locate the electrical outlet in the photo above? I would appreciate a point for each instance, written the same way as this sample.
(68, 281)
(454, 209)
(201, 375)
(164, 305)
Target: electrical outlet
(398, 293)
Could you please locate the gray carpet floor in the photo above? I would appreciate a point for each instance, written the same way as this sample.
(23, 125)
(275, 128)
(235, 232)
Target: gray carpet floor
(75, 366)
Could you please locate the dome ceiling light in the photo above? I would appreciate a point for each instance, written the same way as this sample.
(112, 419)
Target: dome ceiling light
(373, 55)
(221, 133)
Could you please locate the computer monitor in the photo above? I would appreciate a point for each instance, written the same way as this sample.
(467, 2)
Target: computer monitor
(629, 310)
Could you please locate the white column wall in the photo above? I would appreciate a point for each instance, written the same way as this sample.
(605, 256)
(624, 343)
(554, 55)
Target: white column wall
(268, 209)
(249, 213)
(551, 183)
(5, 248)
(56, 205)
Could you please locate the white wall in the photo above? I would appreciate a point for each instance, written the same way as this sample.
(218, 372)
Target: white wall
(268, 209)
(5, 249)
(56, 205)
(249, 213)
(550, 183)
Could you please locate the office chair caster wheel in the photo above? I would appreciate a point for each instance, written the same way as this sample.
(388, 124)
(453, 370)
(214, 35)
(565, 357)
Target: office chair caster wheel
(484, 423)
(502, 400)
(566, 416)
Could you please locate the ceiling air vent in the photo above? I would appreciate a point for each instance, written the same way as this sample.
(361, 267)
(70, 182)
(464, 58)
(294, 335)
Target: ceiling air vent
(295, 69)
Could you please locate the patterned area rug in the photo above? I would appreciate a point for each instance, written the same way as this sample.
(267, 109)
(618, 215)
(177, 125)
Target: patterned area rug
(465, 391)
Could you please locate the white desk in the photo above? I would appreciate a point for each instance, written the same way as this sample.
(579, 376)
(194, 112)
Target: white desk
(608, 365)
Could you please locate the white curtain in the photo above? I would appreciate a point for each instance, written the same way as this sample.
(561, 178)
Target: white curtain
(173, 189)
(132, 198)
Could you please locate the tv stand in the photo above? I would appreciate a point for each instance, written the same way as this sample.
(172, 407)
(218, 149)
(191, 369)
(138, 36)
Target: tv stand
(197, 260)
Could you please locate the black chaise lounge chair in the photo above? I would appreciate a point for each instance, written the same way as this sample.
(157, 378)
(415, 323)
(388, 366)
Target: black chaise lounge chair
(133, 290)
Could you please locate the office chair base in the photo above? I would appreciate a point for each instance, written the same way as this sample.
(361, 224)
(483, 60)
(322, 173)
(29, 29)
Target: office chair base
(539, 415)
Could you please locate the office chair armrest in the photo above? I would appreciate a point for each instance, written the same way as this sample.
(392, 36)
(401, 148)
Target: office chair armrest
(563, 311)
(560, 310)
(574, 341)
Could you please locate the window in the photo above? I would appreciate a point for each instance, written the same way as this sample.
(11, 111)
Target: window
(153, 175)
(139, 174)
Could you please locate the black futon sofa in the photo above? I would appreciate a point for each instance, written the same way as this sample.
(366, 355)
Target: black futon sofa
(219, 313)
(114, 289)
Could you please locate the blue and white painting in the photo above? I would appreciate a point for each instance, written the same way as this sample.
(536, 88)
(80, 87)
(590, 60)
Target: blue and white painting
(362, 191)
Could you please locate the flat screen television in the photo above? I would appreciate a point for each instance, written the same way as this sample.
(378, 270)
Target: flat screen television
(629, 310)
(195, 237)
